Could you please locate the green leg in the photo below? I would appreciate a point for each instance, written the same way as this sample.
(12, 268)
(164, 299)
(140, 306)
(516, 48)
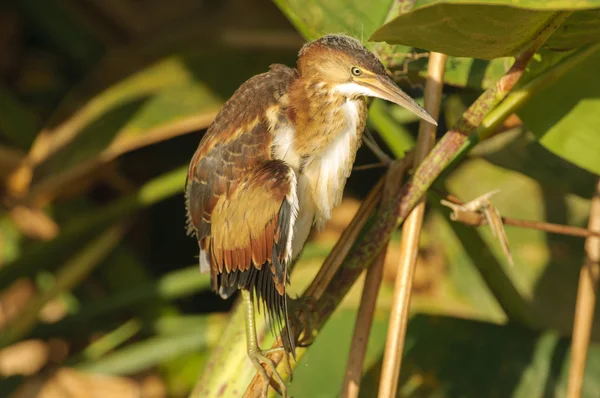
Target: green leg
(257, 355)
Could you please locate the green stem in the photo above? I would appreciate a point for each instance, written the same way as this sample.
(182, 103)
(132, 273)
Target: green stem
(140, 356)
(111, 340)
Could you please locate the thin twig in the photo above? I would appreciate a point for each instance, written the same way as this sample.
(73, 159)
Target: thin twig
(476, 219)
(411, 232)
(372, 145)
(364, 318)
(370, 166)
(586, 302)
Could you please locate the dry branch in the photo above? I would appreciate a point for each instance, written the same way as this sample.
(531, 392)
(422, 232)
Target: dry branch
(586, 302)
(411, 232)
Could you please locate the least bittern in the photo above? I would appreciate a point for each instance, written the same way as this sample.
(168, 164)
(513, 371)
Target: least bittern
(273, 164)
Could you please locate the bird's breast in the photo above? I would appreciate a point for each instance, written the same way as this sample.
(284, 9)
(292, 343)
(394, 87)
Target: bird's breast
(328, 170)
(325, 171)
(321, 175)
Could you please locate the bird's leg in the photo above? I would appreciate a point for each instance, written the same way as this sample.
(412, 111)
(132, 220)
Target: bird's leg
(300, 313)
(257, 355)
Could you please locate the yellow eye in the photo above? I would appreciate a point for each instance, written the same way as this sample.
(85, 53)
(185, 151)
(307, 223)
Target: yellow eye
(356, 71)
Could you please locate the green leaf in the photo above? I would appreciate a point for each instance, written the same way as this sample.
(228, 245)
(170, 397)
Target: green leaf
(155, 103)
(565, 116)
(467, 28)
(468, 72)
(524, 154)
(144, 354)
(315, 18)
(451, 357)
(176, 284)
(396, 136)
(321, 371)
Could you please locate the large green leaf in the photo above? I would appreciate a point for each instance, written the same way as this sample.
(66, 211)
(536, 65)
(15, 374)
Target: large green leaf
(357, 18)
(450, 357)
(468, 28)
(525, 154)
(320, 372)
(315, 18)
(566, 115)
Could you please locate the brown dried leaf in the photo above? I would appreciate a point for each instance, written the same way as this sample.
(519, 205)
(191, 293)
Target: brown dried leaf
(469, 213)
(53, 311)
(494, 220)
(69, 383)
(23, 358)
(14, 299)
(34, 223)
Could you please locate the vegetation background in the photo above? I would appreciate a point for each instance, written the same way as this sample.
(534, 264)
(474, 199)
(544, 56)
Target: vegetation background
(102, 104)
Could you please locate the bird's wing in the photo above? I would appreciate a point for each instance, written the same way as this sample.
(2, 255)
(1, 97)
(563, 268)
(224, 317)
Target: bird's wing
(253, 227)
(234, 147)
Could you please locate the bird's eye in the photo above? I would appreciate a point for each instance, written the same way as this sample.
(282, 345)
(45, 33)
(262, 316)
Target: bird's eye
(356, 71)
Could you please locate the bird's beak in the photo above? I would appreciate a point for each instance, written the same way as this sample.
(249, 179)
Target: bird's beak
(385, 88)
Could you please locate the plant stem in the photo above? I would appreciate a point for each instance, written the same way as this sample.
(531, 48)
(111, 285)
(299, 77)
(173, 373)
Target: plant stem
(411, 232)
(366, 309)
(475, 219)
(586, 303)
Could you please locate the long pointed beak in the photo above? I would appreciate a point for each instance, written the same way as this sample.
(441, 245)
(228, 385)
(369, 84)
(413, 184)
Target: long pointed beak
(385, 88)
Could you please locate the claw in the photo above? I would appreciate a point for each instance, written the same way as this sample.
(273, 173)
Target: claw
(257, 357)
(300, 317)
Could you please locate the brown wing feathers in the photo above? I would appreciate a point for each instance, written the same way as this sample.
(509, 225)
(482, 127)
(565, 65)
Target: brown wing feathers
(251, 227)
(250, 240)
(241, 204)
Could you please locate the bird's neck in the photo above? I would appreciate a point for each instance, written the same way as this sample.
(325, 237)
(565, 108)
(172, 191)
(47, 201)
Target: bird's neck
(317, 113)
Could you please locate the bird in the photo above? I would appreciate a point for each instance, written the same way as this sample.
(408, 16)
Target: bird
(272, 166)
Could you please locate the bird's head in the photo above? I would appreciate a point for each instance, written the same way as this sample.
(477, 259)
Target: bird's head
(349, 68)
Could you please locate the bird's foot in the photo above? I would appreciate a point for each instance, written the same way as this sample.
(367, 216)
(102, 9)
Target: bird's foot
(301, 311)
(258, 356)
